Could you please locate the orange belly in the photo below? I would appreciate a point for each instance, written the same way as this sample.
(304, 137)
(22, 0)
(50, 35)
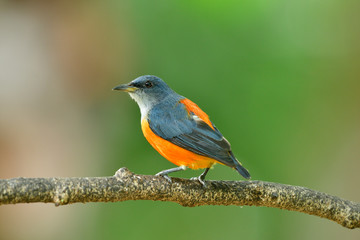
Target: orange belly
(175, 154)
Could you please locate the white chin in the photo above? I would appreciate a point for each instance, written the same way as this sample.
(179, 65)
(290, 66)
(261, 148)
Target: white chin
(144, 104)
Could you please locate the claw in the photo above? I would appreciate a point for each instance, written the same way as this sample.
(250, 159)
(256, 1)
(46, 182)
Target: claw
(164, 176)
(165, 173)
(201, 181)
(201, 178)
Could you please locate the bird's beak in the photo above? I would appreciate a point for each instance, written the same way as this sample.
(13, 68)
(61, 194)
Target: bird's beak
(125, 88)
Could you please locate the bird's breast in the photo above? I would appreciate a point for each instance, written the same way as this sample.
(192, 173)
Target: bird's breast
(175, 154)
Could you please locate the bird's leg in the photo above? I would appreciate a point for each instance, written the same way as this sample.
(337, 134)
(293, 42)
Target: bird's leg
(165, 173)
(202, 176)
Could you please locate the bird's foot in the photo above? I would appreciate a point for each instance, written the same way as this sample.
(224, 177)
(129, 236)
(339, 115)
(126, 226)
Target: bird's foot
(200, 179)
(164, 175)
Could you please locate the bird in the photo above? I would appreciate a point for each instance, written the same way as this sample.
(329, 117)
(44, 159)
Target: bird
(178, 129)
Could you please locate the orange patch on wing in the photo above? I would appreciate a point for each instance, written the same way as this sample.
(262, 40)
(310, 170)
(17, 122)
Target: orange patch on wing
(192, 107)
(175, 154)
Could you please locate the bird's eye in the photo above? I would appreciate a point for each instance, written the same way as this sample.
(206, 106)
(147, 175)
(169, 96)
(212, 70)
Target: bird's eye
(148, 84)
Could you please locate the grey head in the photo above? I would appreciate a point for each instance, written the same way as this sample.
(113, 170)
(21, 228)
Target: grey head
(148, 91)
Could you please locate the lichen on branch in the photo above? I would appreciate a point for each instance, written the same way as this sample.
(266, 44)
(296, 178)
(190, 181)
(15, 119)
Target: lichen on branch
(125, 185)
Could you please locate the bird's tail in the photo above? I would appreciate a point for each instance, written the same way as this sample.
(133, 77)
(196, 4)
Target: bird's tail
(243, 171)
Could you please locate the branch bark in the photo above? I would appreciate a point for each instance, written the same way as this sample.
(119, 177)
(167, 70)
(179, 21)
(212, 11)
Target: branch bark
(126, 185)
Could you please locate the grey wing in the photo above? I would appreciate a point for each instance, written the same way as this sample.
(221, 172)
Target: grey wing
(190, 132)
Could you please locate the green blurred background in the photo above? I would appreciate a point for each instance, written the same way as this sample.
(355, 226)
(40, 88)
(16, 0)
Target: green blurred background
(279, 78)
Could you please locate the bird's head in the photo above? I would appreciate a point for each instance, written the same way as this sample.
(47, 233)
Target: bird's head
(147, 91)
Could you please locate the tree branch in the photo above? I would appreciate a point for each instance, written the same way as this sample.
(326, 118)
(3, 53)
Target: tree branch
(126, 185)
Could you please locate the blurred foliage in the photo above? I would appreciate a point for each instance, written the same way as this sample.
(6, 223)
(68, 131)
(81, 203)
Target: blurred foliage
(280, 79)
